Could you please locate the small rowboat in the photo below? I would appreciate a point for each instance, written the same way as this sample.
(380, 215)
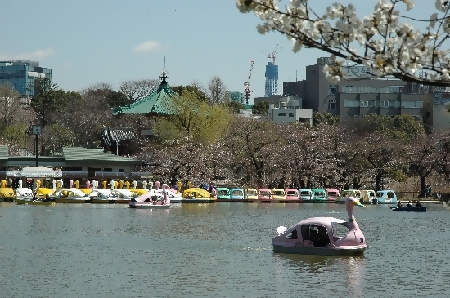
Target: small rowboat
(148, 205)
(410, 209)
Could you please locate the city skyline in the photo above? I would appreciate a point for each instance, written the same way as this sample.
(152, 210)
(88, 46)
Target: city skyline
(90, 42)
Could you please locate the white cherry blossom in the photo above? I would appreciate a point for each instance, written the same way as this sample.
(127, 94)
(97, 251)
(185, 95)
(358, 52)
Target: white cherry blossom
(385, 40)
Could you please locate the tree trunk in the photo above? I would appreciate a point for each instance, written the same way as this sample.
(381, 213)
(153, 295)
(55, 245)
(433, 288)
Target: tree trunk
(378, 181)
(214, 170)
(356, 183)
(260, 175)
(282, 183)
(301, 183)
(248, 180)
(422, 185)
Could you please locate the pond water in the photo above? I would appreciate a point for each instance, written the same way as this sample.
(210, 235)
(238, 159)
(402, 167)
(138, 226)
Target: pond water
(214, 250)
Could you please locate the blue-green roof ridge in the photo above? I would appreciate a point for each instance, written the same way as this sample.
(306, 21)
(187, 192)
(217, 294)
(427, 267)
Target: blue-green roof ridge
(159, 102)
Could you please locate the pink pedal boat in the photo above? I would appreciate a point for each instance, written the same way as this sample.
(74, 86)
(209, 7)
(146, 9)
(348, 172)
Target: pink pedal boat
(317, 236)
(151, 200)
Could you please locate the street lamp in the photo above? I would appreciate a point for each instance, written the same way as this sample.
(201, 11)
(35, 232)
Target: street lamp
(117, 147)
(27, 132)
(36, 130)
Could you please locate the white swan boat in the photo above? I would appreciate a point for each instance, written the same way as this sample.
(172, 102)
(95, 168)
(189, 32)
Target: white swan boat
(124, 196)
(71, 195)
(24, 194)
(103, 196)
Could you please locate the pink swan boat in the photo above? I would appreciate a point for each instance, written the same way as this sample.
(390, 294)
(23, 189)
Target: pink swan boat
(152, 199)
(316, 236)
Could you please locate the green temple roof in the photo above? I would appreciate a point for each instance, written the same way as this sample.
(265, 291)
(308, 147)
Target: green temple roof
(159, 102)
(75, 154)
(4, 152)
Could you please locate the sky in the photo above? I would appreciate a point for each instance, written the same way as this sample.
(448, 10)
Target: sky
(86, 42)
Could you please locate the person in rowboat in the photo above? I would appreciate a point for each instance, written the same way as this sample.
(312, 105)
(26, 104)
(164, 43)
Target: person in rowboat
(399, 204)
(409, 204)
(418, 204)
(164, 197)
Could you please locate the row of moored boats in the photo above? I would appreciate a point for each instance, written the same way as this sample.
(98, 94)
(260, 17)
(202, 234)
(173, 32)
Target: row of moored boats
(316, 195)
(137, 198)
(154, 196)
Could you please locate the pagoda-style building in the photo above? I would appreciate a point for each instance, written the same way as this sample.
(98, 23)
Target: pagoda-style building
(118, 139)
(157, 104)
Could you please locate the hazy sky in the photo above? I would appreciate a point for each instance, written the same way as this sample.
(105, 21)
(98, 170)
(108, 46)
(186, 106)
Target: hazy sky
(91, 41)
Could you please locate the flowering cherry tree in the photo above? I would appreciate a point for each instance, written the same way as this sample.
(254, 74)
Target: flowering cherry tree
(135, 90)
(183, 160)
(342, 155)
(425, 155)
(252, 144)
(443, 160)
(383, 155)
(385, 40)
(304, 156)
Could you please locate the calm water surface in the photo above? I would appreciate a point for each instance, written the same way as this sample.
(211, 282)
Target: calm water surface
(214, 250)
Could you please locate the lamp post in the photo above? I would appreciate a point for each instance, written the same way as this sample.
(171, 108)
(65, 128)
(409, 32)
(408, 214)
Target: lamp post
(36, 130)
(117, 147)
(27, 132)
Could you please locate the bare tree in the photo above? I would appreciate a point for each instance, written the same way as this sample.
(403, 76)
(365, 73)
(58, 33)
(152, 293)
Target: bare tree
(217, 91)
(15, 117)
(80, 118)
(197, 85)
(100, 86)
(12, 106)
(135, 90)
(380, 40)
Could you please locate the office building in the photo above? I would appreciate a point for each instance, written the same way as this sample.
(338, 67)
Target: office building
(361, 94)
(20, 74)
(286, 109)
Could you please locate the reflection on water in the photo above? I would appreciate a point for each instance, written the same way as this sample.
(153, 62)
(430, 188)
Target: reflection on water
(355, 273)
(350, 270)
(311, 264)
(5, 205)
(213, 250)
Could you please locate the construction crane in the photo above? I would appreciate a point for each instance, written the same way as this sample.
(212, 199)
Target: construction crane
(273, 55)
(247, 90)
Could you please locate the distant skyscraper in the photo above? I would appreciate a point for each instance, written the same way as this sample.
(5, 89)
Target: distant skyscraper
(20, 74)
(271, 78)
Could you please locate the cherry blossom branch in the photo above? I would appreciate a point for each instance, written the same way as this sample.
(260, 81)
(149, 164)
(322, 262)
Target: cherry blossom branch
(390, 48)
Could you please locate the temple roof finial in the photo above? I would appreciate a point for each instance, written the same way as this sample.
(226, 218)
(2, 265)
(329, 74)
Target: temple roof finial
(163, 77)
